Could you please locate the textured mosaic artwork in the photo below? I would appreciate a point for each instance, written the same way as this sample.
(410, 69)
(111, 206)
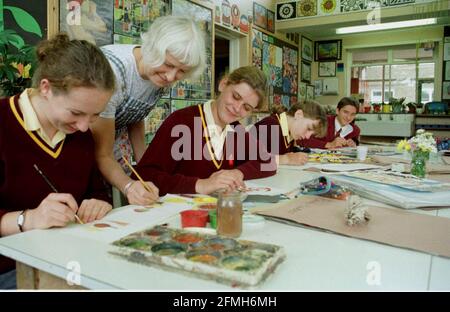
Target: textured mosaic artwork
(306, 8)
(353, 5)
(397, 2)
(286, 10)
(328, 7)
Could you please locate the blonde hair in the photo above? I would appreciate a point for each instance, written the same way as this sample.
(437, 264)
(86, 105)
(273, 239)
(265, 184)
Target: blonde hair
(179, 36)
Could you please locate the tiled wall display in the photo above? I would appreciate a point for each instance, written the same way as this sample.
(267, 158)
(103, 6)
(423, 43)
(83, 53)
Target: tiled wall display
(307, 8)
(279, 61)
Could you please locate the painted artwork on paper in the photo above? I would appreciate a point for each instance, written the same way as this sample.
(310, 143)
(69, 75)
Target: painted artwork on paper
(91, 21)
(329, 7)
(286, 10)
(353, 5)
(225, 260)
(132, 17)
(306, 8)
(201, 87)
(121, 39)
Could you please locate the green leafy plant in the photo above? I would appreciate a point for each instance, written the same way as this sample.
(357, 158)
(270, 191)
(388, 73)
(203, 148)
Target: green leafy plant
(398, 105)
(17, 63)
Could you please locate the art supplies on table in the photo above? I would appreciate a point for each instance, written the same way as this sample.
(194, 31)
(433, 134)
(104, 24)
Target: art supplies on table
(392, 194)
(330, 158)
(398, 179)
(343, 167)
(389, 226)
(225, 260)
(323, 186)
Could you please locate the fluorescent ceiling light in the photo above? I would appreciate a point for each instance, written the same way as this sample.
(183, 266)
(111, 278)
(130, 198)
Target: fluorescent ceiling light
(384, 26)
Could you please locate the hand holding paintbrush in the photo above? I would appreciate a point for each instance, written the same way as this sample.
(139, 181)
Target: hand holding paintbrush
(150, 195)
(50, 184)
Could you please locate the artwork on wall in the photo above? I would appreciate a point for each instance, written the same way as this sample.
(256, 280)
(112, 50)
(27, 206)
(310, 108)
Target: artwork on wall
(398, 2)
(270, 21)
(121, 39)
(328, 7)
(235, 16)
(447, 70)
(302, 91)
(318, 85)
(95, 21)
(286, 10)
(243, 25)
(306, 8)
(231, 15)
(132, 17)
(201, 87)
(353, 5)
(226, 12)
(306, 72)
(446, 90)
(327, 69)
(447, 51)
(307, 49)
(310, 92)
(259, 15)
(279, 62)
(329, 50)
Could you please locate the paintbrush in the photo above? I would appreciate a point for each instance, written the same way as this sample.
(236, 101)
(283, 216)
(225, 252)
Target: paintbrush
(52, 187)
(138, 176)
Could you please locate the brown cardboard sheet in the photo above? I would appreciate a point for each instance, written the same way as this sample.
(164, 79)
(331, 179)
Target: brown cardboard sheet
(391, 226)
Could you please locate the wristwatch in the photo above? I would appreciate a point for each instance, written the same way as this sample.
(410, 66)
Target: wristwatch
(21, 220)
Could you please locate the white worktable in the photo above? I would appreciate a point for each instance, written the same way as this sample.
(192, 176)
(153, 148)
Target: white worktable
(315, 260)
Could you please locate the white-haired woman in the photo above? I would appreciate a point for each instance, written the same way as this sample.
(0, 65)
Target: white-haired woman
(172, 49)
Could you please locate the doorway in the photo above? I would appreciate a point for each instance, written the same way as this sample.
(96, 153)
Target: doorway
(221, 60)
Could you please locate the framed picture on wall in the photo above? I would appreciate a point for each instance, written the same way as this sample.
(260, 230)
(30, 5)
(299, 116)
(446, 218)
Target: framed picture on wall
(307, 49)
(446, 90)
(302, 91)
(306, 72)
(310, 92)
(329, 50)
(327, 69)
(259, 15)
(96, 21)
(447, 70)
(447, 51)
(271, 21)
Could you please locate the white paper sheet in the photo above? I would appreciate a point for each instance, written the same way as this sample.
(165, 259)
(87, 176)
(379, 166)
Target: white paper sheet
(125, 220)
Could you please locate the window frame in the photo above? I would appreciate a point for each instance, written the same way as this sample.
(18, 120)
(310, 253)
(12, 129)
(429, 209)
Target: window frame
(390, 61)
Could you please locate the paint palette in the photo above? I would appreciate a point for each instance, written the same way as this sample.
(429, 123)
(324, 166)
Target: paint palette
(225, 260)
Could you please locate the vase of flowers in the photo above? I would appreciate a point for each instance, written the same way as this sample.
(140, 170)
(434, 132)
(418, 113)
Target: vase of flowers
(420, 146)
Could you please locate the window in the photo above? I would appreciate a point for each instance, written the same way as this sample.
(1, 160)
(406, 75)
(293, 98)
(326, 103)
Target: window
(376, 96)
(401, 71)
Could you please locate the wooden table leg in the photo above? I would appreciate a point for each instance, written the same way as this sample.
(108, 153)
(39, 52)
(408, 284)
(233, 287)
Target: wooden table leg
(31, 278)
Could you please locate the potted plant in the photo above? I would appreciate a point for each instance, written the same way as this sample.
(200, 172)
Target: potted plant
(411, 107)
(397, 104)
(377, 107)
(17, 63)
